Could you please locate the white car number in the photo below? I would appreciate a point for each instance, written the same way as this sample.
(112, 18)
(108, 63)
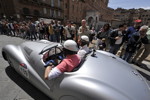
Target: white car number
(24, 71)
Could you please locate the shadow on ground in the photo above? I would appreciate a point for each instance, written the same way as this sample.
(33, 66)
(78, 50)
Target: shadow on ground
(25, 85)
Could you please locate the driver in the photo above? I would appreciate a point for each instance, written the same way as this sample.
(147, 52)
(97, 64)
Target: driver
(71, 61)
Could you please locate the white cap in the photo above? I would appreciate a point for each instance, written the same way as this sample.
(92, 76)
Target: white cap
(85, 38)
(70, 45)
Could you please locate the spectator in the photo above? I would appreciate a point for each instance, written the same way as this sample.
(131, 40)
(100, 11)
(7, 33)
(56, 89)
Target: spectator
(56, 29)
(133, 44)
(69, 31)
(124, 42)
(84, 49)
(61, 31)
(104, 33)
(116, 38)
(51, 33)
(134, 28)
(92, 34)
(144, 51)
(41, 30)
(83, 30)
(32, 30)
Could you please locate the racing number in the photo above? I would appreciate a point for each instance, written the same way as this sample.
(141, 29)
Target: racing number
(24, 71)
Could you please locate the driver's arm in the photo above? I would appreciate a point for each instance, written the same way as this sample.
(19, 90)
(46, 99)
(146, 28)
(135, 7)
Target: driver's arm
(47, 71)
(51, 72)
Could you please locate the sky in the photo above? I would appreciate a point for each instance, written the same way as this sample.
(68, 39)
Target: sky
(129, 4)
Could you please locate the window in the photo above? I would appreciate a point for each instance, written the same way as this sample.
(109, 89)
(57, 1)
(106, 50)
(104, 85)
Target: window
(54, 13)
(66, 5)
(36, 12)
(59, 13)
(58, 3)
(52, 3)
(73, 8)
(26, 11)
(44, 10)
(50, 11)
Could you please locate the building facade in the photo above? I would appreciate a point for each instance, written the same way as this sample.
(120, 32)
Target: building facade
(129, 15)
(98, 13)
(33, 9)
(74, 10)
(6, 9)
(63, 10)
(145, 16)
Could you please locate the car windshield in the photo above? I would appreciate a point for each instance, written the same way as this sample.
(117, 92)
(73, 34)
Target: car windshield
(52, 53)
(49, 46)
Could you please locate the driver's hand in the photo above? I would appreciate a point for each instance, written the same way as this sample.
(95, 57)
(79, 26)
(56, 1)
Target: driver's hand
(51, 64)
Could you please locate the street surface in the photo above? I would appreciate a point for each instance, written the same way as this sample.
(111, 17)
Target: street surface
(14, 87)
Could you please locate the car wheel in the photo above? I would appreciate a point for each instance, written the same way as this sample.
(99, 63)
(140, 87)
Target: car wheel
(4, 56)
(7, 58)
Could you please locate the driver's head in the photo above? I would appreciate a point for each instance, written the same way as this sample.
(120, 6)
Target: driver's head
(70, 47)
(84, 40)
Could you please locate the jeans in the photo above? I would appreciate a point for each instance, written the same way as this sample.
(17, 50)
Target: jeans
(114, 49)
(52, 38)
(127, 56)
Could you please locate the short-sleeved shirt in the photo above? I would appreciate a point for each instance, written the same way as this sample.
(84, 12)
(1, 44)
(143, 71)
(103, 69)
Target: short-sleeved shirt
(69, 63)
(86, 32)
(83, 51)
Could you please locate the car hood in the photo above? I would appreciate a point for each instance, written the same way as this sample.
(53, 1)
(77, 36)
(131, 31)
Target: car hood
(115, 73)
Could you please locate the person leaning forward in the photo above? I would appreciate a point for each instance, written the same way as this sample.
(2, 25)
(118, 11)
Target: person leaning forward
(144, 51)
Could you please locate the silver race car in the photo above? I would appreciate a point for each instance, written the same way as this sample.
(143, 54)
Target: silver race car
(99, 76)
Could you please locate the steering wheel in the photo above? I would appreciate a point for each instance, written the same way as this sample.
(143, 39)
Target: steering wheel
(55, 58)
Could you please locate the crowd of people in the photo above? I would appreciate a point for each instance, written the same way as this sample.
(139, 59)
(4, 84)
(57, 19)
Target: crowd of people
(132, 43)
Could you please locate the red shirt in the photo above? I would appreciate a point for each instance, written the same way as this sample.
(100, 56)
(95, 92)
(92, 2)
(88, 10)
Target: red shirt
(69, 63)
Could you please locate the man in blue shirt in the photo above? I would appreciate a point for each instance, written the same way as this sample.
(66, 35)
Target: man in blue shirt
(134, 28)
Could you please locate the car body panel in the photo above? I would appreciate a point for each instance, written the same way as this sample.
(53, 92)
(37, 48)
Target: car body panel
(121, 78)
(100, 77)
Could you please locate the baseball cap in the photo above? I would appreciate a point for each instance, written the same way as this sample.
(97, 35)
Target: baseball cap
(138, 21)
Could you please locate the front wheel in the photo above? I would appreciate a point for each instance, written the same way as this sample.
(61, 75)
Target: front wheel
(7, 58)
(4, 56)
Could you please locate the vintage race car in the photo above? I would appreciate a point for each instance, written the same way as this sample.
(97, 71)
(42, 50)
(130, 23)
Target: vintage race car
(99, 76)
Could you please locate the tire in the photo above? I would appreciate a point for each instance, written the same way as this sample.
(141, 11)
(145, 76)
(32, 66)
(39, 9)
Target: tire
(4, 56)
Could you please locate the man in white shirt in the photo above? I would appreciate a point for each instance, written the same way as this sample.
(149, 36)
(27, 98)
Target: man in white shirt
(116, 39)
(84, 49)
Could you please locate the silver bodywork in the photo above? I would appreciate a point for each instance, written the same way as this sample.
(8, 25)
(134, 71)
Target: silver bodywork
(100, 77)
